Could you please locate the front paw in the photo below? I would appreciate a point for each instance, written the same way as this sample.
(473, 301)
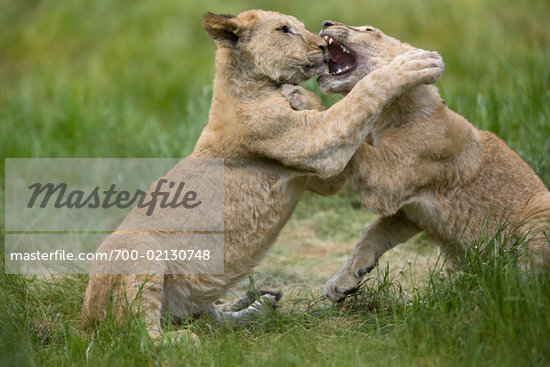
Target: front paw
(301, 99)
(341, 285)
(418, 67)
(345, 282)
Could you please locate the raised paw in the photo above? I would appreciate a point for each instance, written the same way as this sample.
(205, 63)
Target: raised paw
(301, 99)
(418, 67)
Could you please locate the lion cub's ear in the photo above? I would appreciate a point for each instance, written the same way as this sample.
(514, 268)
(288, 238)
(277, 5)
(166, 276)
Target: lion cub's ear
(224, 29)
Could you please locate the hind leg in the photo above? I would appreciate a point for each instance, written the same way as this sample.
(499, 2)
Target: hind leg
(142, 294)
(250, 308)
(538, 251)
(122, 296)
(449, 255)
(536, 230)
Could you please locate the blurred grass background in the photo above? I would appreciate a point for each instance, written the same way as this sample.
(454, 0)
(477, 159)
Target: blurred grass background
(133, 79)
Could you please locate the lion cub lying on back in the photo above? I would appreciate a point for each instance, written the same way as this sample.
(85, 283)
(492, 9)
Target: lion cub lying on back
(425, 168)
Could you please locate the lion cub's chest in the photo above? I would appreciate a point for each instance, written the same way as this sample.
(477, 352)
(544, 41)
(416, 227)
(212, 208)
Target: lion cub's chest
(428, 213)
(260, 196)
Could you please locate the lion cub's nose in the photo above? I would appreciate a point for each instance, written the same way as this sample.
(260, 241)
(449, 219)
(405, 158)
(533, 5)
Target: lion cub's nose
(319, 42)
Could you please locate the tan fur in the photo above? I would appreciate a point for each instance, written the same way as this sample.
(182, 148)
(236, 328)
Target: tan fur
(425, 168)
(271, 151)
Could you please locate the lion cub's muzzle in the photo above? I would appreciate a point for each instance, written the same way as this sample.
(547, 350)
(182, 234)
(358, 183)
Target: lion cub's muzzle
(317, 64)
(342, 59)
(318, 56)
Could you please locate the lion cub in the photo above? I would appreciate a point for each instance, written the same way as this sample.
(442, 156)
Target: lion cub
(270, 151)
(425, 168)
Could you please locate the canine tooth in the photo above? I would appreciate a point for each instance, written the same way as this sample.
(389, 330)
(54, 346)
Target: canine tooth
(338, 71)
(330, 41)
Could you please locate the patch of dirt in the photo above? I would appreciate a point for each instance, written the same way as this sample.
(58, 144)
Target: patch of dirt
(301, 261)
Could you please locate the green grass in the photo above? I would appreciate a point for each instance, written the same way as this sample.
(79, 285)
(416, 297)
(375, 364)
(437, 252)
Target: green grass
(133, 79)
(489, 313)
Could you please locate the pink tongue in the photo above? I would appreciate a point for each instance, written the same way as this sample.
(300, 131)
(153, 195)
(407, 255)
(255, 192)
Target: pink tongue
(339, 60)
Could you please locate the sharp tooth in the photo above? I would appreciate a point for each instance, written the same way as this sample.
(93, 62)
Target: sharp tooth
(338, 71)
(330, 41)
(325, 38)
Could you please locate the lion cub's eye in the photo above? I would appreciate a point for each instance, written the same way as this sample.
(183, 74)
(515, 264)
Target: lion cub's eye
(284, 29)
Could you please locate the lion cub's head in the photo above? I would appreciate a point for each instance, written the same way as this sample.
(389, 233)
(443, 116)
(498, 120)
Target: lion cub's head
(354, 52)
(264, 44)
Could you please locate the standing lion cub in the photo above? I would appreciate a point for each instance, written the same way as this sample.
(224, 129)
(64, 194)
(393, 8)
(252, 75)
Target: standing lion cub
(271, 153)
(423, 167)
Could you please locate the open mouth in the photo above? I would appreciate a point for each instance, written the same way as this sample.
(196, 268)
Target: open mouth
(341, 59)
